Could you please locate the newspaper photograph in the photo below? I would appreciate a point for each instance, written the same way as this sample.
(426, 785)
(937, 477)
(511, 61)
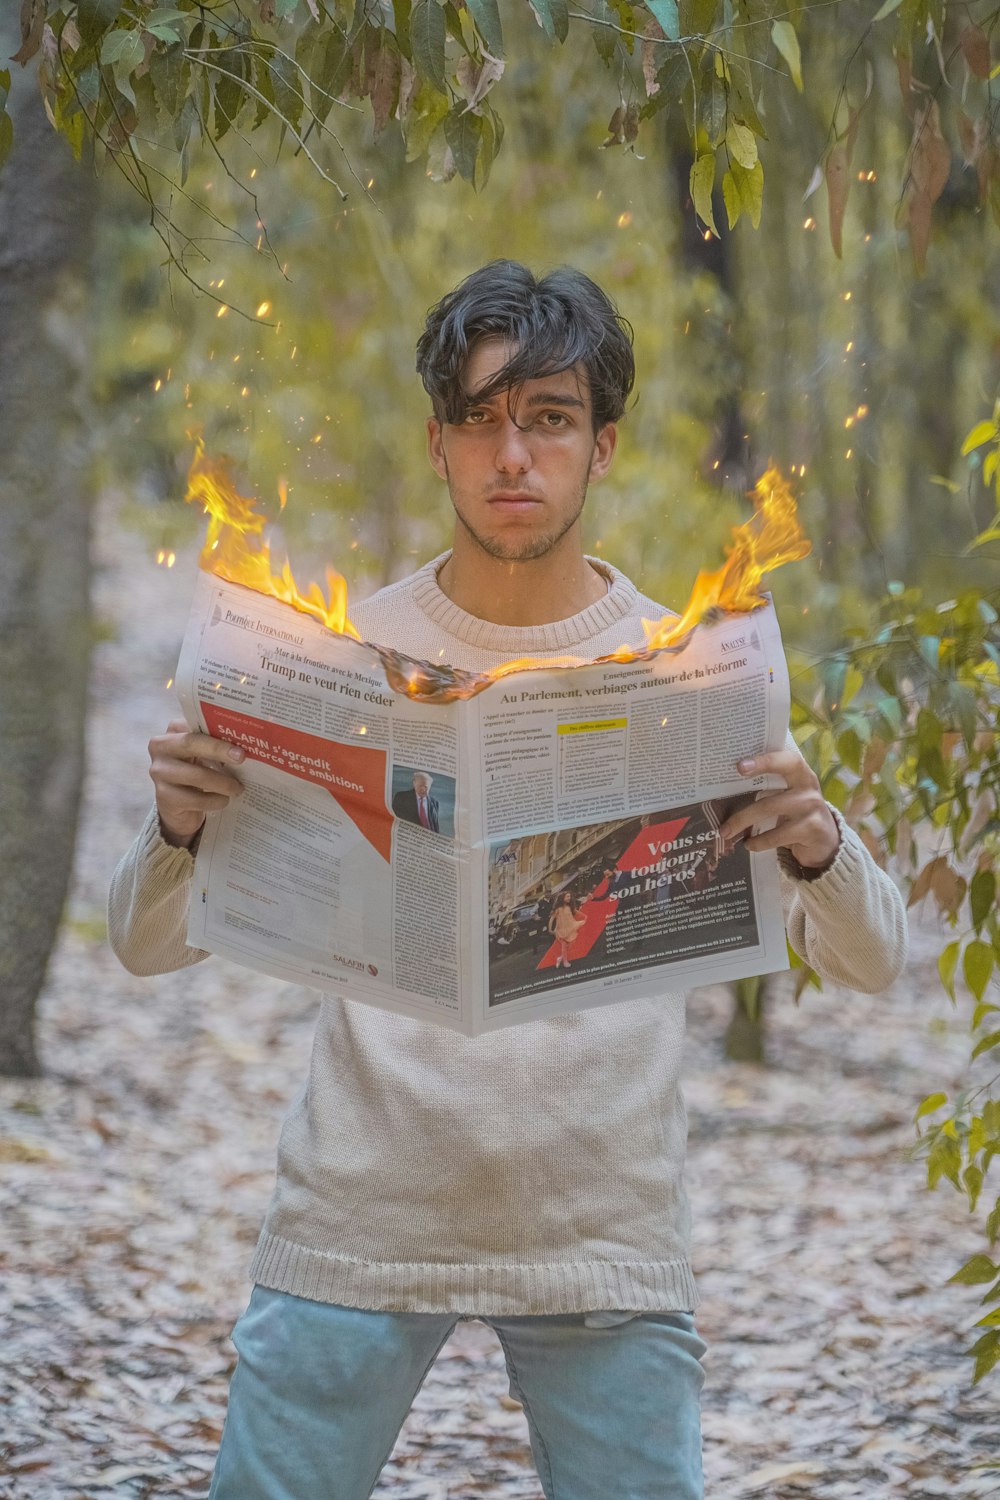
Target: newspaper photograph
(479, 851)
(610, 898)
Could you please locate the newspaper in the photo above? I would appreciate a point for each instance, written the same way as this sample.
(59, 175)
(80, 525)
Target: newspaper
(537, 844)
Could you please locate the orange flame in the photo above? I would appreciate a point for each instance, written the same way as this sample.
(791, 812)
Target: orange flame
(770, 538)
(235, 548)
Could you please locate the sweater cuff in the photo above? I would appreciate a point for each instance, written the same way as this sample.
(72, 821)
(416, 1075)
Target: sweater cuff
(845, 876)
(154, 847)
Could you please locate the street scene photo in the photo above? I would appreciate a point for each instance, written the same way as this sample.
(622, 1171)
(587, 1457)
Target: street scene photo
(605, 898)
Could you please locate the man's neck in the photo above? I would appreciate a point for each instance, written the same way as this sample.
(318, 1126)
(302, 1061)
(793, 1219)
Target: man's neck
(537, 592)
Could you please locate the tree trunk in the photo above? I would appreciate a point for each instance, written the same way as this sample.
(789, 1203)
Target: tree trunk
(46, 211)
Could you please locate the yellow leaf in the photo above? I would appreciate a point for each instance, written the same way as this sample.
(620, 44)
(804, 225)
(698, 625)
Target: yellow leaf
(702, 181)
(743, 192)
(742, 144)
(983, 432)
(784, 38)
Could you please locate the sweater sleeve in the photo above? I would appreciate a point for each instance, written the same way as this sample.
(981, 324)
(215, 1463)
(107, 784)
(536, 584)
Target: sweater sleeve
(849, 924)
(148, 905)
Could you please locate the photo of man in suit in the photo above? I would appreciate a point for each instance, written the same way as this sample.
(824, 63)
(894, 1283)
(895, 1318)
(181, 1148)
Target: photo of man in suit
(418, 806)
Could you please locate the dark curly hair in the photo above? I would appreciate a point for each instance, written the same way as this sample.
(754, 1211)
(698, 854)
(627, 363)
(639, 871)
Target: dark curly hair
(560, 321)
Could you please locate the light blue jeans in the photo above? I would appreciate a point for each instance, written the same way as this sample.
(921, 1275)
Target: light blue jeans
(320, 1393)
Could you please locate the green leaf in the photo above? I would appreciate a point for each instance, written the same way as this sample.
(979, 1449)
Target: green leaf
(489, 145)
(95, 17)
(973, 1180)
(486, 14)
(743, 192)
(286, 83)
(930, 1104)
(886, 10)
(947, 964)
(553, 17)
(977, 966)
(428, 111)
(701, 182)
(329, 75)
(713, 109)
(983, 432)
(986, 1044)
(976, 1272)
(784, 37)
(401, 20)
(993, 1223)
(6, 136)
(463, 132)
(169, 71)
(122, 51)
(427, 38)
(230, 95)
(168, 24)
(987, 1352)
(604, 34)
(963, 703)
(983, 1009)
(667, 14)
(943, 1160)
(983, 895)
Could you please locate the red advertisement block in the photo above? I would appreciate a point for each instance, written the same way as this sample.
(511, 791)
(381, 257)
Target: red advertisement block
(354, 775)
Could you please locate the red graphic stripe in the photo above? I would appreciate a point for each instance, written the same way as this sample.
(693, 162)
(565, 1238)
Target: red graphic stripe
(649, 845)
(354, 775)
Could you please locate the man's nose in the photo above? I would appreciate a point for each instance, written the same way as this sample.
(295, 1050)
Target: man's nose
(513, 454)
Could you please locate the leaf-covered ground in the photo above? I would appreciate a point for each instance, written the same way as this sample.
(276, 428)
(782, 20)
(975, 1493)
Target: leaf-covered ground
(135, 1176)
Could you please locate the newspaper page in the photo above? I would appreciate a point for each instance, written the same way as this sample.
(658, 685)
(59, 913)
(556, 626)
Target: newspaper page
(540, 843)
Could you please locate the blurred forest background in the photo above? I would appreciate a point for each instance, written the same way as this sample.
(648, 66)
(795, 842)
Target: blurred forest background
(759, 345)
(273, 318)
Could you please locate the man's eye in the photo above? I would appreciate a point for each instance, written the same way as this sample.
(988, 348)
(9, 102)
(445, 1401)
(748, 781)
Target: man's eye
(555, 419)
(475, 418)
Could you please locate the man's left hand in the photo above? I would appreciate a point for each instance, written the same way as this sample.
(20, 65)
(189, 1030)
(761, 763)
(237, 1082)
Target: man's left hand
(804, 824)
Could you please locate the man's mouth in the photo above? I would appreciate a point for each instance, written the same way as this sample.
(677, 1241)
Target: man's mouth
(514, 503)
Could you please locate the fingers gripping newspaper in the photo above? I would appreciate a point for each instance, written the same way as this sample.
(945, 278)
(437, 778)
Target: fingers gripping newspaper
(547, 843)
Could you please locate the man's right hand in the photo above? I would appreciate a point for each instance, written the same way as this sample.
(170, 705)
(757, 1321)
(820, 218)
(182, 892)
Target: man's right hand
(192, 774)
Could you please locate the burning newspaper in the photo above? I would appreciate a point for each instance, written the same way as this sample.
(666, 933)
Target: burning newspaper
(481, 851)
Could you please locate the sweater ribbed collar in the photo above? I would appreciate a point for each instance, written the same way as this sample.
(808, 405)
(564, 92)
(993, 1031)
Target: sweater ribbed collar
(524, 640)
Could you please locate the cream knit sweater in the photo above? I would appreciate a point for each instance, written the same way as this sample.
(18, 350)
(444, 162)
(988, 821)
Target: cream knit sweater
(536, 1169)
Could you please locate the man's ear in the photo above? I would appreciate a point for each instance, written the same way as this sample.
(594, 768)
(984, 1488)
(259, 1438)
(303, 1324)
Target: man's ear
(435, 448)
(605, 444)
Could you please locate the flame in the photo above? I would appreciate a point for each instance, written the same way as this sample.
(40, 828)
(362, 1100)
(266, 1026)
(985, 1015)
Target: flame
(235, 548)
(770, 538)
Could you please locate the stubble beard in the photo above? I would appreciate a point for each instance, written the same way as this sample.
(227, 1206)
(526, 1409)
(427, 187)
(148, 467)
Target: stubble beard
(514, 549)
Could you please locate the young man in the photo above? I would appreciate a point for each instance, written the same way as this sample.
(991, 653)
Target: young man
(531, 1177)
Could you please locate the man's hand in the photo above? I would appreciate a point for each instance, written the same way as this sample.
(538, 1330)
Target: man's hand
(191, 774)
(805, 825)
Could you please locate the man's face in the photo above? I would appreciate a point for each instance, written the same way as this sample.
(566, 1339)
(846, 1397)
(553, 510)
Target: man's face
(421, 785)
(518, 467)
